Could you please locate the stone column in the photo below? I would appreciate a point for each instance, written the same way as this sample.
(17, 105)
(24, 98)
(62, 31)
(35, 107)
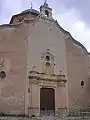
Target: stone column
(34, 97)
(56, 101)
(62, 106)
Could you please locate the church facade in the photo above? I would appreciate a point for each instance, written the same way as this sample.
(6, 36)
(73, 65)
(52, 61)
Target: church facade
(42, 68)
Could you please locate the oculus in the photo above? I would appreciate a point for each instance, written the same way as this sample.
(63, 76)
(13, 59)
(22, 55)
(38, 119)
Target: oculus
(47, 58)
(2, 74)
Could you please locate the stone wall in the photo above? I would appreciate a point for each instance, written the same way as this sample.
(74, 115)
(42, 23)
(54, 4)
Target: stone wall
(77, 67)
(13, 52)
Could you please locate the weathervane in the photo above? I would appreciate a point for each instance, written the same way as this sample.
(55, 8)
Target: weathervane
(45, 2)
(31, 5)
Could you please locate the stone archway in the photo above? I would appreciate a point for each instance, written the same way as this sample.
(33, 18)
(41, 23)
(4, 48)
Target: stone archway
(47, 100)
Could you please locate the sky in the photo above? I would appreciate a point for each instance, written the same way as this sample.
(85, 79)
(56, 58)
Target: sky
(72, 15)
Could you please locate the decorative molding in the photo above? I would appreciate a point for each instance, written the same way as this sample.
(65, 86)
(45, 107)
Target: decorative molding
(33, 81)
(2, 62)
(33, 107)
(47, 53)
(35, 78)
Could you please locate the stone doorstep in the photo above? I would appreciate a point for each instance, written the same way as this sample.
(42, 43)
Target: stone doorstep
(45, 118)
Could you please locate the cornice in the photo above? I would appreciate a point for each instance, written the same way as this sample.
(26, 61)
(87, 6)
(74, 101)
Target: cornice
(10, 25)
(35, 76)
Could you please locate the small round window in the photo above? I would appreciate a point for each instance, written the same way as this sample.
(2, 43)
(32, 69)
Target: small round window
(47, 58)
(2, 74)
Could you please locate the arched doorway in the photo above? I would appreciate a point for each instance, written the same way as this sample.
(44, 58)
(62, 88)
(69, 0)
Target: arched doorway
(47, 100)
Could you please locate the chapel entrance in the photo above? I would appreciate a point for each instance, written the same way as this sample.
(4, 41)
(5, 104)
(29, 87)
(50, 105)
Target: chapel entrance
(47, 101)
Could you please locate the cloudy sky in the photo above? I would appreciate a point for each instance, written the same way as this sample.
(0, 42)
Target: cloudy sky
(72, 15)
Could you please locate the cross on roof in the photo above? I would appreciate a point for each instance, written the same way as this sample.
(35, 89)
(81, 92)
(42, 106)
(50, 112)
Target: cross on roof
(31, 5)
(45, 2)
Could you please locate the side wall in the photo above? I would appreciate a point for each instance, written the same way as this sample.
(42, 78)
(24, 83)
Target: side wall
(89, 66)
(77, 67)
(13, 52)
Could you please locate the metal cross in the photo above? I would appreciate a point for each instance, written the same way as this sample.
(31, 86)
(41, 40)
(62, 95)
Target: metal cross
(45, 2)
(31, 5)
